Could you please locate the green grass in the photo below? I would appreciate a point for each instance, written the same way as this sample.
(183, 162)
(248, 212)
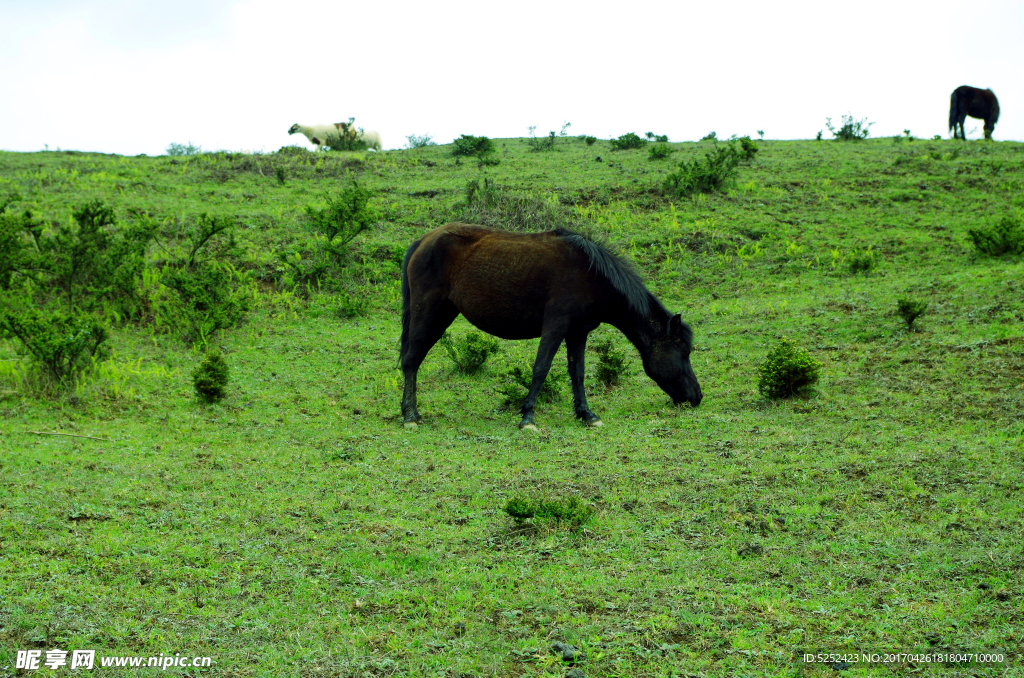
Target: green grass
(295, 528)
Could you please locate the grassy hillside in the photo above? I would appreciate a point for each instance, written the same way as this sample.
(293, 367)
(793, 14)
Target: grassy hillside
(295, 527)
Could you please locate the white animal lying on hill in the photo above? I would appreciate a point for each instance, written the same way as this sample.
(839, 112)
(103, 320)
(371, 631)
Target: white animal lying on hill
(323, 135)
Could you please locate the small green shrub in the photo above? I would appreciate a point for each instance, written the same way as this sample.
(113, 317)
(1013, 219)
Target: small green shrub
(516, 384)
(348, 139)
(659, 138)
(850, 130)
(818, 137)
(748, 149)
(548, 142)
(710, 136)
(587, 139)
(910, 310)
(787, 371)
(659, 152)
(481, 148)
(178, 150)
(712, 173)
(611, 363)
(346, 215)
(419, 141)
(1006, 237)
(62, 344)
(862, 262)
(350, 306)
(210, 378)
(89, 263)
(281, 175)
(469, 353)
(628, 141)
(571, 510)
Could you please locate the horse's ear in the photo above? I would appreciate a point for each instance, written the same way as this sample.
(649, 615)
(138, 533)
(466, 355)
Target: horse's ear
(675, 325)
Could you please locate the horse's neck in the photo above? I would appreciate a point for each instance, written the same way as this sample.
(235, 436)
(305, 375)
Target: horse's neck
(640, 330)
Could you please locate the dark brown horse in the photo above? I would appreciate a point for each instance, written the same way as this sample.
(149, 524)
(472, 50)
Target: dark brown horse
(556, 285)
(977, 103)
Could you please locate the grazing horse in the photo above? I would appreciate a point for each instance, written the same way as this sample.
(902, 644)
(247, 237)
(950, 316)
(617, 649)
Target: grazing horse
(977, 103)
(557, 285)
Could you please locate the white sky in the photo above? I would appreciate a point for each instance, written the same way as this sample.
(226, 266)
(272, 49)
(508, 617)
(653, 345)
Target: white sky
(124, 76)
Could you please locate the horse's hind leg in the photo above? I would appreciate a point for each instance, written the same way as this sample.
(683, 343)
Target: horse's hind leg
(549, 343)
(575, 348)
(429, 319)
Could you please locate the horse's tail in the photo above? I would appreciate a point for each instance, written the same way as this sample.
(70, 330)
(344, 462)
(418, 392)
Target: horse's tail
(406, 310)
(953, 101)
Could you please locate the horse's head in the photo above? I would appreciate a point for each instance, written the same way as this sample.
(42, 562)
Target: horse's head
(293, 129)
(668, 363)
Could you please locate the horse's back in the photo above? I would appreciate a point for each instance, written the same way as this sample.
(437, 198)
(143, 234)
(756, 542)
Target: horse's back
(504, 283)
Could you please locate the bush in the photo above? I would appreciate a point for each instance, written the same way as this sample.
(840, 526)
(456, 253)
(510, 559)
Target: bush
(710, 136)
(659, 138)
(714, 173)
(516, 384)
(183, 149)
(548, 142)
(1006, 237)
(862, 262)
(469, 353)
(352, 305)
(748, 149)
(481, 148)
(62, 344)
(910, 310)
(659, 152)
(347, 215)
(18, 254)
(351, 139)
(571, 510)
(588, 140)
(787, 371)
(627, 142)
(850, 130)
(210, 378)
(419, 141)
(611, 363)
(89, 264)
(207, 299)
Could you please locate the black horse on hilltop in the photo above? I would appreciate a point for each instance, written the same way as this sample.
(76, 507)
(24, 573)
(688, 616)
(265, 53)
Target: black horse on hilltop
(557, 285)
(977, 103)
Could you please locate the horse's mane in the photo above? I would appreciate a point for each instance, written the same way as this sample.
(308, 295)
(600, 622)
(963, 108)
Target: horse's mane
(616, 270)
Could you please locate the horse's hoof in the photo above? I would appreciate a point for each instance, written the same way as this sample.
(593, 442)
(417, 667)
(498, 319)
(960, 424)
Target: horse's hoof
(528, 427)
(411, 425)
(595, 423)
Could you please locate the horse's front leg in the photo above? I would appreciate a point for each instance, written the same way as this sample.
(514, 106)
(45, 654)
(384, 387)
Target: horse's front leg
(549, 343)
(575, 347)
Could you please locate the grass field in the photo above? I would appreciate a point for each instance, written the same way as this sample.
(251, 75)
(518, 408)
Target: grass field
(296, 529)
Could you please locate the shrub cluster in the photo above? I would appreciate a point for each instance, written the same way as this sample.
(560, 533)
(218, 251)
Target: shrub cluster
(419, 141)
(1006, 237)
(548, 142)
(210, 378)
(714, 172)
(611, 362)
(659, 152)
(910, 310)
(787, 371)
(481, 148)
(516, 384)
(628, 141)
(571, 510)
(850, 129)
(469, 353)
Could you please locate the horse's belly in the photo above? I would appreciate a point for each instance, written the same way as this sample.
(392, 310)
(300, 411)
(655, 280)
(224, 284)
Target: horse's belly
(505, 324)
